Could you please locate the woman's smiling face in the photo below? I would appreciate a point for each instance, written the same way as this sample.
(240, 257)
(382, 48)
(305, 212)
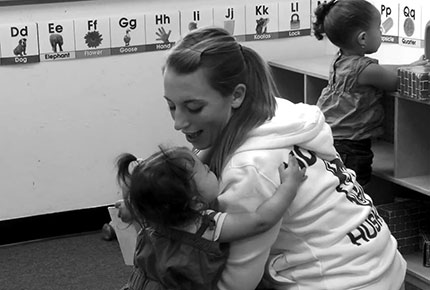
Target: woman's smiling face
(199, 111)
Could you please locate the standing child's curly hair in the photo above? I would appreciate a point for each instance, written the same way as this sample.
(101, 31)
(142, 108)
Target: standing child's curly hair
(160, 188)
(340, 20)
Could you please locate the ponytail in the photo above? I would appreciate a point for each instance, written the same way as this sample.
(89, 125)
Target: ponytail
(122, 163)
(340, 20)
(258, 106)
(320, 13)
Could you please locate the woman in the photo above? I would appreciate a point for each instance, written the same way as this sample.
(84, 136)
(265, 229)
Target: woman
(222, 97)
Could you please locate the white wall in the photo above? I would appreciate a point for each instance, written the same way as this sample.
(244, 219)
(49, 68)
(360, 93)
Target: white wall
(63, 123)
(389, 53)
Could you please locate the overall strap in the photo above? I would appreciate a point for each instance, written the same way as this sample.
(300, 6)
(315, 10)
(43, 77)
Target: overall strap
(208, 220)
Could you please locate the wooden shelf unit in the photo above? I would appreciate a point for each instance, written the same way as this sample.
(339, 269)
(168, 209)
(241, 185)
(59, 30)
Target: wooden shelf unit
(405, 160)
(402, 156)
(416, 274)
(301, 80)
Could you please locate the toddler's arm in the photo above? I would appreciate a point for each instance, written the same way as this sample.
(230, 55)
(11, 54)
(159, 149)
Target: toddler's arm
(380, 77)
(383, 77)
(241, 225)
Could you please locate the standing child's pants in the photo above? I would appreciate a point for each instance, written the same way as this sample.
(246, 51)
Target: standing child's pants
(358, 156)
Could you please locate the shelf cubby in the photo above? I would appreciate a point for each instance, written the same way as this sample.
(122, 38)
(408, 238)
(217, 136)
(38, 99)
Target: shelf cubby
(402, 155)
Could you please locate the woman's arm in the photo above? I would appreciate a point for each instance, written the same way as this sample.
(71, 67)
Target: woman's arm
(247, 258)
(241, 225)
(244, 188)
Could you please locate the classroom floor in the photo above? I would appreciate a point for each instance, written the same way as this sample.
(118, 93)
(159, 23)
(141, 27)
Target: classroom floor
(77, 262)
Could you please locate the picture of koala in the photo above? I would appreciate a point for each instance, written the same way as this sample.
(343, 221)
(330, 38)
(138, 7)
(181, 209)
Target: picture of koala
(20, 49)
(261, 27)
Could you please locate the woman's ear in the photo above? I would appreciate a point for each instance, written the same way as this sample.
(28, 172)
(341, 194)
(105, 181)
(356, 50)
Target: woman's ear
(238, 96)
(362, 39)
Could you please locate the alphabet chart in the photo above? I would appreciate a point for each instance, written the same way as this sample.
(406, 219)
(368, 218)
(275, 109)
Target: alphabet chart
(296, 18)
(55, 40)
(410, 24)
(19, 44)
(232, 19)
(162, 30)
(261, 21)
(194, 19)
(92, 37)
(389, 20)
(127, 34)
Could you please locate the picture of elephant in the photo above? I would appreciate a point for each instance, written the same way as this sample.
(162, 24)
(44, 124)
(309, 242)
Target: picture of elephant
(56, 40)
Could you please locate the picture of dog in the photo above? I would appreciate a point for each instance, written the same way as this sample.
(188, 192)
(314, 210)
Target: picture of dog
(20, 49)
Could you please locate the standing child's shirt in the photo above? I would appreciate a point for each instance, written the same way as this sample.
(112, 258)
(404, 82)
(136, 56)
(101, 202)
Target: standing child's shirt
(353, 111)
(174, 259)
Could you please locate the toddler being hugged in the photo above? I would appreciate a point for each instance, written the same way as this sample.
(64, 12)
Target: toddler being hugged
(182, 242)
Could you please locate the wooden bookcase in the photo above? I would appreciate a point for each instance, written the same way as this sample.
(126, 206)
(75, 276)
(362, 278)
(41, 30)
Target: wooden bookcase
(402, 156)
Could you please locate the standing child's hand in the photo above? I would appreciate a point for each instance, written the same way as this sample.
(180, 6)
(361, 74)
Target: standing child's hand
(292, 174)
(421, 61)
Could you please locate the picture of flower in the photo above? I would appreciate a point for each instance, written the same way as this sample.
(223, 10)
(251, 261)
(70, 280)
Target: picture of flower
(93, 39)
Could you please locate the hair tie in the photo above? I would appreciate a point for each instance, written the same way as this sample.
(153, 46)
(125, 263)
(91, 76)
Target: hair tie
(199, 52)
(330, 5)
(134, 164)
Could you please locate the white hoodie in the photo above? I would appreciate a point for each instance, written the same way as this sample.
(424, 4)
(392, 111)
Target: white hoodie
(331, 236)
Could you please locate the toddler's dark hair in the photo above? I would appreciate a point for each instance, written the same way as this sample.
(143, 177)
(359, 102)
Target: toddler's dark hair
(160, 187)
(341, 19)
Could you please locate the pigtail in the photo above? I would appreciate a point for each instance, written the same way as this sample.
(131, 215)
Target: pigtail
(159, 188)
(320, 14)
(122, 163)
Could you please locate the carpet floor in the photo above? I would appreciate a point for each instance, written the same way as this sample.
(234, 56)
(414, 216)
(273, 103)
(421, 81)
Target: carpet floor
(79, 262)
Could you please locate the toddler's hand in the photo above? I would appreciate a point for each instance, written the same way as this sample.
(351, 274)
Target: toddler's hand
(292, 173)
(123, 212)
(421, 61)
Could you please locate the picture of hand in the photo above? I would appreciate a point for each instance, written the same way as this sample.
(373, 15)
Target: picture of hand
(162, 35)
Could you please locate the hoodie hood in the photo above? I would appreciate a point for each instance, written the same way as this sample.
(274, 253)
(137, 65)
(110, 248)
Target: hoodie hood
(294, 124)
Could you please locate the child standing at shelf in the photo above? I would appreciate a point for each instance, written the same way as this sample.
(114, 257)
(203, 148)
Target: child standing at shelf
(351, 102)
(180, 244)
